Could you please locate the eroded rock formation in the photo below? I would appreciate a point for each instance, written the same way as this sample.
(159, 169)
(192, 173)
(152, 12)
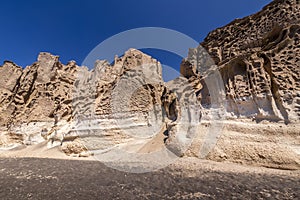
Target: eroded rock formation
(85, 111)
(62, 103)
(258, 57)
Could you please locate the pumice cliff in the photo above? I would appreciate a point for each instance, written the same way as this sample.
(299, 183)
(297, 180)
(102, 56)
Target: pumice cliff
(82, 111)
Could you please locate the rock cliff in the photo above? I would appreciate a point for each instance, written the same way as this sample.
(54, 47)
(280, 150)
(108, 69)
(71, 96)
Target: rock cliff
(259, 59)
(87, 111)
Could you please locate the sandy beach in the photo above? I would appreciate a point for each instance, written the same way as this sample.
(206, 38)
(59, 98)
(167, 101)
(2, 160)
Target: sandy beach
(188, 178)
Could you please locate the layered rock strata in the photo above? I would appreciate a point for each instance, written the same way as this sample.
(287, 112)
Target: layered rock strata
(247, 70)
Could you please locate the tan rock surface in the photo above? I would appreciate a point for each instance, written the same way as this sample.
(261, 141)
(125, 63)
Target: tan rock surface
(258, 57)
(125, 105)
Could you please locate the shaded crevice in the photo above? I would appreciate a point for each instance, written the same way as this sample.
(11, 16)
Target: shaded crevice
(275, 89)
(31, 88)
(169, 103)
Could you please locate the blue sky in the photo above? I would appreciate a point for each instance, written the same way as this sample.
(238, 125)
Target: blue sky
(72, 28)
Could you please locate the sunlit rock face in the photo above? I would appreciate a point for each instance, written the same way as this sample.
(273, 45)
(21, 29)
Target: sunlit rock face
(258, 57)
(38, 93)
(109, 105)
(248, 69)
(128, 104)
